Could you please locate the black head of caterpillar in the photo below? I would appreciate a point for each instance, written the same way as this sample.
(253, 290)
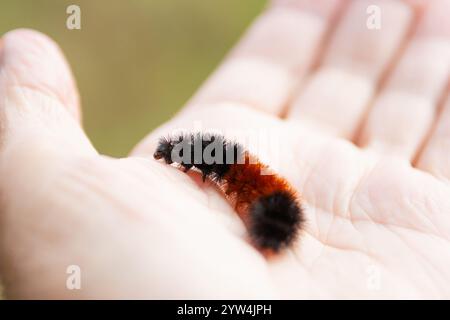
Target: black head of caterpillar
(267, 204)
(201, 153)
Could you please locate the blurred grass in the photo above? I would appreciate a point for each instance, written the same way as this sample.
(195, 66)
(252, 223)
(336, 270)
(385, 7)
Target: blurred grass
(136, 62)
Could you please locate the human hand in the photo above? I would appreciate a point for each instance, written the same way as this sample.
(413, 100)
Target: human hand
(378, 212)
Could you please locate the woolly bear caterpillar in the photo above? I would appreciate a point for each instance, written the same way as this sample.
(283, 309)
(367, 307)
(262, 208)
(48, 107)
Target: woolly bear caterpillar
(268, 205)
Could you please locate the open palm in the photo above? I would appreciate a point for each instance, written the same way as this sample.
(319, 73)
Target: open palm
(356, 119)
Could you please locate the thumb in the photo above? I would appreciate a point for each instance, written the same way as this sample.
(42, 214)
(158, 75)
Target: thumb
(38, 97)
(40, 134)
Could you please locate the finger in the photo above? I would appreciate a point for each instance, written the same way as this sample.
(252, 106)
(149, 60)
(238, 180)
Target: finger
(258, 74)
(435, 157)
(336, 96)
(23, 64)
(264, 68)
(38, 97)
(39, 134)
(404, 111)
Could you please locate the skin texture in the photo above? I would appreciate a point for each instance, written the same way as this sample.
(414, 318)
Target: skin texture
(361, 124)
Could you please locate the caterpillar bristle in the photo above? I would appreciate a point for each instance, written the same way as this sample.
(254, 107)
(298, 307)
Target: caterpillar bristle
(275, 220)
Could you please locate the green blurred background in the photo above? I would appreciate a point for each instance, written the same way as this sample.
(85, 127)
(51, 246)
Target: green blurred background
(136, 62)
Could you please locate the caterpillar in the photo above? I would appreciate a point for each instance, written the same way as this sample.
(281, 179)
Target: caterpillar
(267, 204)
